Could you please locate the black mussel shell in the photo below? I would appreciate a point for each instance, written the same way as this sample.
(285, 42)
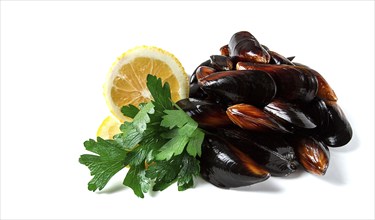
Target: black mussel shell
(318, 112)
(325, 91)
(338, 132)
(290, 115)
(278, 59)
(246, 47)
(195, 90)
(206, 113)
(265, 47)
(223, 165)
(271, 151)
(221, 63)
(293, 84)
(232, 87)
(291, 59)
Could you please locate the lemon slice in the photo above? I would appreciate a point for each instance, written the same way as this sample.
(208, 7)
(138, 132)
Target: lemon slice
(126, 81)
(109, 127)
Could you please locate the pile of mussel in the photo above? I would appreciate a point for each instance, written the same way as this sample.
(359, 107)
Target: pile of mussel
(263, 114)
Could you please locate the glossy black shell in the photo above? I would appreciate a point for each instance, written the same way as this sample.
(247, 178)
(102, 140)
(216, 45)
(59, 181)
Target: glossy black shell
(245, 47)
(290, 115)
(293, 84)
(224, 166)
(233, 87)
(278, 59)
(195, 90)
(206, 113)
(339, 131)
(271, 151)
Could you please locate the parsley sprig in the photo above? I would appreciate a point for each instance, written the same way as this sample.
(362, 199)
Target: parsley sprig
(160, 145)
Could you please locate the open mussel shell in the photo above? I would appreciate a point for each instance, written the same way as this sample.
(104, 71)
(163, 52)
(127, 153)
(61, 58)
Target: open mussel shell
(246, 47)
(271, 151)
(293, 84)
(313, 155)
(254, 119)
(206, 113)
(223, 165)
(290, 115)
(339, 131)
(232, 87)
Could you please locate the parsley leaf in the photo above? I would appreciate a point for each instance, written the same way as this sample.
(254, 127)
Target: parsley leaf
(195, 143)
(136, 179)
(160, 145)
(130, 111)
(174, 118)
(175, 146)
(188, 134)
(132, 132)
(190, 168)
(164, 173)
(107, 163)
(161, 94)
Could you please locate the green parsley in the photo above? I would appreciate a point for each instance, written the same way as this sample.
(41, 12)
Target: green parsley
(160, 146)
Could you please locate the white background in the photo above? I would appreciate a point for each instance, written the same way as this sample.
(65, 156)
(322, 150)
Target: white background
(54, 57)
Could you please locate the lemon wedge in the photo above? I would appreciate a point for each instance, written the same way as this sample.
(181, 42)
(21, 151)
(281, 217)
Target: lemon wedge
(109, 127)
(126, 81)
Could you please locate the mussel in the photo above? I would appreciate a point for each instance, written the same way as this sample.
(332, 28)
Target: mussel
(252, 118)
(204, 71)
(232, 87)
(318, 113)
(193, 77)
(195, 90)
(338, 132)
(290, 115)
(293, 84)
(221, 63)
(325, 91)
(263, 115)
(224, 50)
(312, 154)
(207, 114)
(271, 151)
(246, 47)
(223, 165)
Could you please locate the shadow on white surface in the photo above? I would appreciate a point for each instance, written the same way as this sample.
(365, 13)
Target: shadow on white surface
(267, 186)
(296, 175)
(335, 173)
(113, 188)
(351, 146)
